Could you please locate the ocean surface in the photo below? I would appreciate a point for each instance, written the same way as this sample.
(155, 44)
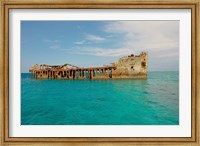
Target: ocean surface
(154, 101)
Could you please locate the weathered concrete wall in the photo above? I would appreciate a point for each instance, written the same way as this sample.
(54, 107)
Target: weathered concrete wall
(131, 66)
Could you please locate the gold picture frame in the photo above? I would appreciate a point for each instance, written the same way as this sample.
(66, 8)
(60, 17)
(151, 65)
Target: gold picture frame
(60, 4)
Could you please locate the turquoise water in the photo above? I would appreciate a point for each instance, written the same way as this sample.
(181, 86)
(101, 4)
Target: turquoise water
(154, 101)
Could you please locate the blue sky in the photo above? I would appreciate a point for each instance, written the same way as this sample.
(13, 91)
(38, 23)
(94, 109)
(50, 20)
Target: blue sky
(98, 43)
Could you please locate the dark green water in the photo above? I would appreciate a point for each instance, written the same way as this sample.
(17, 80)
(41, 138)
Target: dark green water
(154, 101)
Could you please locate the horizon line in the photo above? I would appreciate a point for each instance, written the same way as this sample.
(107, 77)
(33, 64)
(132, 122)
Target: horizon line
(148, 71)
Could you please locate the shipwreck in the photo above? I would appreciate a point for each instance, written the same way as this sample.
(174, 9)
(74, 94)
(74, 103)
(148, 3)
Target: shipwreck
(127, 67)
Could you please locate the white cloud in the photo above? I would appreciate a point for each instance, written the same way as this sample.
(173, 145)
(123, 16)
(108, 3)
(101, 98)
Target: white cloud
(51, 41)
(55, 47)
(138, 36)
(109, 52)
(146, 34)
(110, 36)
(96, 38)
(80, 42)
(89, 39)
(159, 38)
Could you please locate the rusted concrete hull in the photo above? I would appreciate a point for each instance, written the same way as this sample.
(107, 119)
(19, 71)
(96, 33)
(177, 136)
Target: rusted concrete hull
(129, 67)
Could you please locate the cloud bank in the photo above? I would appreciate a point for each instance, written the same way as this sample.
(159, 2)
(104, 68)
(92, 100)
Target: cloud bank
(159, 38)
(137, 36)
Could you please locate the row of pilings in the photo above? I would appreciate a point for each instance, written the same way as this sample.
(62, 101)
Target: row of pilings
(73, 73)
